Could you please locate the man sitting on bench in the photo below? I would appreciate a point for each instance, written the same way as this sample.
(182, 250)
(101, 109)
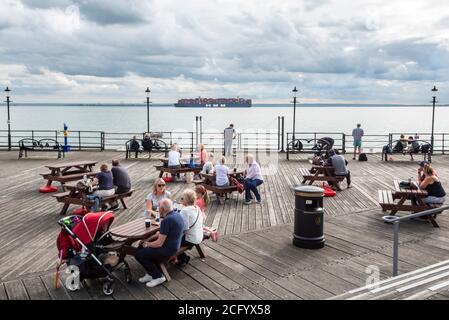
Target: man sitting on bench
(121, 181)
(166, 245)
(174, 159)
(193, 224)
(339, 163)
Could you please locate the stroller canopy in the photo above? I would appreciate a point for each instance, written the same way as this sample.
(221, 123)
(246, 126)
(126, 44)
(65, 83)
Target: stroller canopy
(93, 224)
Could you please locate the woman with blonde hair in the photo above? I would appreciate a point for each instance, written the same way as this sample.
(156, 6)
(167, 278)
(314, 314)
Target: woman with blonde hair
(203, 154)
(221, 173)
(193, 224)
(202, 199)
(157, 194)
(432, 184)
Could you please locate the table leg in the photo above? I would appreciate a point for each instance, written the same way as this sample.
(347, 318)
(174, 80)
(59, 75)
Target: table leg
(398, 205)
(64, 209)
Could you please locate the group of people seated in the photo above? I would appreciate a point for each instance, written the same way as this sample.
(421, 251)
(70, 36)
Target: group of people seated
(109, 182)
(178, 228)
(147, 144)
(408, 145)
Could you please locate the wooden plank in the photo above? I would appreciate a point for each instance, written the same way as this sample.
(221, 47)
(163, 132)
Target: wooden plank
(16, 290)
(36, 289)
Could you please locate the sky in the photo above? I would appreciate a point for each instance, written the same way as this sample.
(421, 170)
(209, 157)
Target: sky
(333, 51)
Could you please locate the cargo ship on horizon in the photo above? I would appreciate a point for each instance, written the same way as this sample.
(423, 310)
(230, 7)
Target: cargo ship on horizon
(214, 103)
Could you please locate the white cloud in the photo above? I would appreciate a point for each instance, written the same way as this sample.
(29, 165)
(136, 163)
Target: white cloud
(335, 50)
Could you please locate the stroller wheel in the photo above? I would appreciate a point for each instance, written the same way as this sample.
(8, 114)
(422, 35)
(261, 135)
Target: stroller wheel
(108, 289)
(128, 276)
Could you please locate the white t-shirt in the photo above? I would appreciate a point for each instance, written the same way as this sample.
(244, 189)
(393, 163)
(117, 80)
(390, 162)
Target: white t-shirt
(193, 230)
(221, 174)
(173, 158)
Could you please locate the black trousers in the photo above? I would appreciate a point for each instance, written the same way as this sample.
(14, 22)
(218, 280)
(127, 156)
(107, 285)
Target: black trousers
(348, 177)
(183, 256)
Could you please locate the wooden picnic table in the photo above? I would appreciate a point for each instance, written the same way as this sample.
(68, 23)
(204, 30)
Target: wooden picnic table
(72, 171)
(135, 230)
(319, 173)
(182, 159)
(77, 195)
(405, 199)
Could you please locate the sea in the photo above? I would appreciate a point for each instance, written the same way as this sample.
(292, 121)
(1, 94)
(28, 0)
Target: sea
(375, 119)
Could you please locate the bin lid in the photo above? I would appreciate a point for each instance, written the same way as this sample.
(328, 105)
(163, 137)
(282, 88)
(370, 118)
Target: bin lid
(309, 190)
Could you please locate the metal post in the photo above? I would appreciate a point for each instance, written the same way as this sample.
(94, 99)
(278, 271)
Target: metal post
(294, 111)
(148, 109)
(283, 134)
(201, 129)
(79, 140)
(443, 144)
(279, 133)
(196, 132)
(434, 100)
(7, 90)
(395, 248)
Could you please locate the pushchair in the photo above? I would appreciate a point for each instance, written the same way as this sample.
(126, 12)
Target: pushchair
(86, 245)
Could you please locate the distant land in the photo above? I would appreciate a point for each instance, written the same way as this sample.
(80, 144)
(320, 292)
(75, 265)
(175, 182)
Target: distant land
(257, 105)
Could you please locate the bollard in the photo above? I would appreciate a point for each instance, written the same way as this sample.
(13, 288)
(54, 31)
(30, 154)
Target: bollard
(309, 218)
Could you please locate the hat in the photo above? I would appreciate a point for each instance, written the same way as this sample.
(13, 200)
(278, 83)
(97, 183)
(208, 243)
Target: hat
(424, 163)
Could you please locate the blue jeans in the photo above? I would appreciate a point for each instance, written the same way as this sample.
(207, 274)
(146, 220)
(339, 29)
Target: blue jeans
(149, 259)
(96, 206)
(434, 200)
(251, 185)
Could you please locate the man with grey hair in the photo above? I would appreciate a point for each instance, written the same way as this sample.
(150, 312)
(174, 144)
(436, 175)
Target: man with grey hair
(166, 245)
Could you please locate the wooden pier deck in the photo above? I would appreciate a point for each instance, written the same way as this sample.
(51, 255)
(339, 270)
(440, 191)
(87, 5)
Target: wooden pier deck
(254, 258)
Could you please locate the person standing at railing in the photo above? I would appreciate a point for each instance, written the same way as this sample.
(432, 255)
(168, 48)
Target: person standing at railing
(357, 134)
(229, 136)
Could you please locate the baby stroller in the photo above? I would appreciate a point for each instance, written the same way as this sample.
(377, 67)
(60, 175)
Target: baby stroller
(85, 242)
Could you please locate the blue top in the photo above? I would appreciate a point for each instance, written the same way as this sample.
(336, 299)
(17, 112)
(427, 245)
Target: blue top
(105, 180)
(173, 227)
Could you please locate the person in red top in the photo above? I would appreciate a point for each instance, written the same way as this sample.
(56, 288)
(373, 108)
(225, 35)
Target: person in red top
(203, 154)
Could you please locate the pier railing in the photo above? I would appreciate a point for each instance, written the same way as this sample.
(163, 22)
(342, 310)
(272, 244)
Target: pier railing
(259, 140)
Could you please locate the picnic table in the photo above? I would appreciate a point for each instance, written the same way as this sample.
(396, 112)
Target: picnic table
(184, 168)
(127, 234)
(209, 182)
(66, 172)
(319, 173)
(77, 195)
(406, 199)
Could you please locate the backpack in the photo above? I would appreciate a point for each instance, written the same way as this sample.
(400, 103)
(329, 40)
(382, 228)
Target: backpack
(363, 157)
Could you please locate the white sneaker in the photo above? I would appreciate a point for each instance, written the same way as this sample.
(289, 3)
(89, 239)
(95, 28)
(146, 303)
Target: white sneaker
(156, 282)
(145, 278)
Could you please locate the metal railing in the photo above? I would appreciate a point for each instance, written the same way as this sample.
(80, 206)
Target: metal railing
(396, 220)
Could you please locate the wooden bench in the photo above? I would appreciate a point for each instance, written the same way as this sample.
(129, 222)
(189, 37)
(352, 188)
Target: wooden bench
(425, 148)
(183, 249)
(174, 172)
(67, 178)
(79, 198)
(149, 145)
(43, 145)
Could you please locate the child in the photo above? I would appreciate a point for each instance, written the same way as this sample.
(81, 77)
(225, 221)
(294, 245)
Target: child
(202, 201)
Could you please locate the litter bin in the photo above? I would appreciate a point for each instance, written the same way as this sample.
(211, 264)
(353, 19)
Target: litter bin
(308, 228)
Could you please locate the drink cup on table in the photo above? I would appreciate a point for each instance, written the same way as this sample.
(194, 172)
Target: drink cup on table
(147, 223)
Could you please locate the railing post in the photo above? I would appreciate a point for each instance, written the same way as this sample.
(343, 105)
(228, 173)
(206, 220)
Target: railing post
(102, 140)
(79, 140)
(443, 145)
(282, 134)
(395, 248)
(201, 129)
(196, 131)
(390, 138)
(343, 143)
(191, 147)
(279, 133)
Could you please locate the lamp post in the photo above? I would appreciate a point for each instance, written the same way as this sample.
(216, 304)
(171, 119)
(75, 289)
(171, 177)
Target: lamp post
(434, 100)
(7, 91)
(294, 111)
(148, 109)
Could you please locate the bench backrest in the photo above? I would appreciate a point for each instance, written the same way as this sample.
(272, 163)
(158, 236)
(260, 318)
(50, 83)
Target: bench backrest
(36, 144)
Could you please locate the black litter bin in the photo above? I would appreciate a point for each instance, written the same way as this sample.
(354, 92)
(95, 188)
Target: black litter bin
(308, 229)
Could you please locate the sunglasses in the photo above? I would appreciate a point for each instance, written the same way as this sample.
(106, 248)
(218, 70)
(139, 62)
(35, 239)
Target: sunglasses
(161, 185)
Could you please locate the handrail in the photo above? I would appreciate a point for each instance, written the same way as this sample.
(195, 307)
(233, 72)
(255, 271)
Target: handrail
(396, 221)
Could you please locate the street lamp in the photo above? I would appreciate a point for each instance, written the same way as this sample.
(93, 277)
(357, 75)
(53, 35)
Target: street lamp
(294, 110)
(7, 91)
(434, 100)
(148, 109)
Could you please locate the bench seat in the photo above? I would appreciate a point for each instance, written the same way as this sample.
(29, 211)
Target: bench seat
(69, 177)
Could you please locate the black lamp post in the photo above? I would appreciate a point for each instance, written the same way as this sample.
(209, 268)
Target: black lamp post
(294, 111)
(7, 90)
(434, 100)
(148, 109)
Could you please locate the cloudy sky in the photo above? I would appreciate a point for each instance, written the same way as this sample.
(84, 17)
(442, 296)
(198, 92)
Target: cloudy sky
(369, 51)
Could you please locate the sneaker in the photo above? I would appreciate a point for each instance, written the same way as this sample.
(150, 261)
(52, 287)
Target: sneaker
(349, 186)
(259, 201)
(247, 202)
(113, 207)
(145, 278)
(155, 282)
(181, 263)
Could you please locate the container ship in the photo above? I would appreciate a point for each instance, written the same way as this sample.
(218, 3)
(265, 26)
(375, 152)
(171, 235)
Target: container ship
(214, 103)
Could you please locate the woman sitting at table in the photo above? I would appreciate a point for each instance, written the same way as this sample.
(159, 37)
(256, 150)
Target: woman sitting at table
(174, 159)
(202, 154)
(432, 184)
(104, 180)
(193, 224)
(159, 193)
(221, 174)
(208, 167)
